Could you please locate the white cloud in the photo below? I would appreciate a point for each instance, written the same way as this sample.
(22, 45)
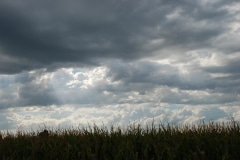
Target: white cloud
(122, 115)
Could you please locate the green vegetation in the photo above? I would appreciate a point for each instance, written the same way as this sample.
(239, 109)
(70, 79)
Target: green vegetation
(154, 142)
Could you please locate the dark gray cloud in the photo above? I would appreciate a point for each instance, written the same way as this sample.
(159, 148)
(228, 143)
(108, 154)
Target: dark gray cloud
(160, 74)
(120, 83)
(32, 94)
(26, 89)
(230, 66)
(118, 53)
(44, 34)
(196, 86)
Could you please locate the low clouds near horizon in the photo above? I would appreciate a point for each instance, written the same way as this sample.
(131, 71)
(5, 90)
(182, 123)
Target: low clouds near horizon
(175, 60)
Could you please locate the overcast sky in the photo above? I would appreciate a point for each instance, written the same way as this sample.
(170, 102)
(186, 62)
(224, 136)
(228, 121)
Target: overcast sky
(76, 62)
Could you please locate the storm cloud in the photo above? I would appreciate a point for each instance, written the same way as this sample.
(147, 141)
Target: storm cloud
(175, 60)
(47, 34)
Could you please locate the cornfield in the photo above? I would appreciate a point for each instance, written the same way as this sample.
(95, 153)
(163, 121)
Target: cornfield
(135, 142)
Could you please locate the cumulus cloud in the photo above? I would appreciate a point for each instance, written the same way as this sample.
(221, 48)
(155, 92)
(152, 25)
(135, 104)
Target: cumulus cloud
(120, 83)
(118, 115)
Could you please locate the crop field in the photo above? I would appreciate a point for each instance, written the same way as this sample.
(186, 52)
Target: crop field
(135, 142)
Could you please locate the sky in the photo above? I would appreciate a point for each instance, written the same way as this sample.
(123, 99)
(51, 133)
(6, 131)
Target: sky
(116, 62)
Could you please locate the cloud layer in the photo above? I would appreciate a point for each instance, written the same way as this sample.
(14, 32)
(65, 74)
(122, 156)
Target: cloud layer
(154, 56)
(55, 34)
